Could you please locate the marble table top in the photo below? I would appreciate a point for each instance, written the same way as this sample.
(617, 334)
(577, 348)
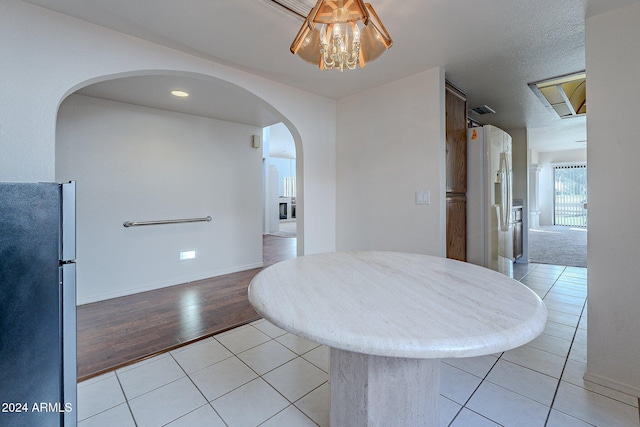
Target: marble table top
(398, 305)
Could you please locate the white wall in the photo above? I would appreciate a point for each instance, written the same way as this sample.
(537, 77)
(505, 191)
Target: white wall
(390, 144)
(546, 185)
(140, 164)
(521, 182)
(53, 55)
(613, 64)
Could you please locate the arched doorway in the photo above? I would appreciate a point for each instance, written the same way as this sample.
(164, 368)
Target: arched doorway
(151, 156)
(138, 154)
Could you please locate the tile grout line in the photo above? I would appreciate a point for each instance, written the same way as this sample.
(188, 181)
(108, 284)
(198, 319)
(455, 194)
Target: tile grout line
(298, 356)
(474, 392)
(292, 403)
(199, 391)
(564, 366)
(126, 399)
(485, 376)
(235, 354)
(500, 357)
(170, 354)
(258, 376)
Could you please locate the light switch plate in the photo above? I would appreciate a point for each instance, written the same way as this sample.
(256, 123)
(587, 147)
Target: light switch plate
(423, 197)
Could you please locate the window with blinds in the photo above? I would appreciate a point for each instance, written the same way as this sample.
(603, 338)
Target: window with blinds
(289, 183)
(570, 201)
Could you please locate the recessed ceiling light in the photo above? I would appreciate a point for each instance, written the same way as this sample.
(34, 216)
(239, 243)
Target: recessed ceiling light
(179, 93)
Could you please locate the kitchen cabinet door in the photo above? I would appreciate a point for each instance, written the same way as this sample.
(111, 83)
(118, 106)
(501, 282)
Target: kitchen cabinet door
(457, 227)
(456, 137)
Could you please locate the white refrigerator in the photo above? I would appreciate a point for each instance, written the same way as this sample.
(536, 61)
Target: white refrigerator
(489, 198)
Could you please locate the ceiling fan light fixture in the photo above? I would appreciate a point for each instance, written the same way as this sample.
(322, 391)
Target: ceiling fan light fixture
(339, 34)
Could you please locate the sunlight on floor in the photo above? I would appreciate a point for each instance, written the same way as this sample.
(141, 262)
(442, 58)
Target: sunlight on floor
(537, 230)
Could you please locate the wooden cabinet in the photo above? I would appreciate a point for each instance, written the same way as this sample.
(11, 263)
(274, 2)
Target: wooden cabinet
(517, 233)
(457, 227)
(456, 148)
(456, 172)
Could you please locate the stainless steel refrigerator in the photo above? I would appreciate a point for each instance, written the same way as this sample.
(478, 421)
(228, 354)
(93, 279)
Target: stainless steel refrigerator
(37, 305)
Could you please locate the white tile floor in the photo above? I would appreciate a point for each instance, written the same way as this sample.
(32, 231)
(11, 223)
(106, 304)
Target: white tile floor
(260, 375)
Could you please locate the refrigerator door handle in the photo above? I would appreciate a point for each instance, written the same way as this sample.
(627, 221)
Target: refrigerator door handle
(505, 187)
(68, 240)
(509, 217)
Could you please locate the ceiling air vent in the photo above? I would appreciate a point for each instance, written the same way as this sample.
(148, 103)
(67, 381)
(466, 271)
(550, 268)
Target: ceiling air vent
(483, 109)
(566, 95)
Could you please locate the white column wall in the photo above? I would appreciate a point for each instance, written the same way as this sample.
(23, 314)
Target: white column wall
(521, 182)
(613, 61)
(390, 145)
(534, 196)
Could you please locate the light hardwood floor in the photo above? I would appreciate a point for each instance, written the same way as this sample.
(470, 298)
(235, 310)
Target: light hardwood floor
(120, 331)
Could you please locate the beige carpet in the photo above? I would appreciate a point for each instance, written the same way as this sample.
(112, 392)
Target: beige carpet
(558, 245)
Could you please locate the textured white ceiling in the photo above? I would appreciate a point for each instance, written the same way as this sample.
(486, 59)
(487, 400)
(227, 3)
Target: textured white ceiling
(489, 49)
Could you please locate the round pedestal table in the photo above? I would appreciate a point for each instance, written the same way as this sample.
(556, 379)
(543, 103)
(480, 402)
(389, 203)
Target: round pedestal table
(388, 319)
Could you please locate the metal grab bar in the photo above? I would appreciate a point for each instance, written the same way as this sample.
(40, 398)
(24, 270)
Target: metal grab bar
(128, 224)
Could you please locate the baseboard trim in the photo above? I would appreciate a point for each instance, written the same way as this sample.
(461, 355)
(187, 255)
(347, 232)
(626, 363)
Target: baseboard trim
(180, 281)
(612, 384)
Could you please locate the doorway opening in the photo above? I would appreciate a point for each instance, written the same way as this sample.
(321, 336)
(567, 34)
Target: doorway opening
(280, 209)
(570, 195)
(558, 208)
(169, 163)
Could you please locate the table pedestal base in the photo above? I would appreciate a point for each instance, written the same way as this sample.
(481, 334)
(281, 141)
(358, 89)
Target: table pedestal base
(382, 391)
